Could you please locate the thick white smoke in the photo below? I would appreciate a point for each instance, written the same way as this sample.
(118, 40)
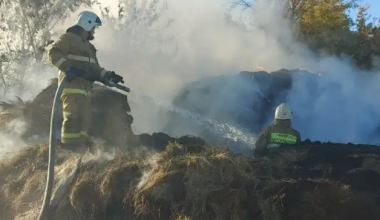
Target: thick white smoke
(342, 108)
(206, 43)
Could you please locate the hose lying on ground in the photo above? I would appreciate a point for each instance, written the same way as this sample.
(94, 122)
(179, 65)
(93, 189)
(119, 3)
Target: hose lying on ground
(52, 145)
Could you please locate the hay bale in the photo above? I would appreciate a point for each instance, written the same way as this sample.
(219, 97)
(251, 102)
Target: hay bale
(99, 189)
(24, 177)
(11, 110)
(107, 184)
(111, 118)
(196, 181)
(6, 210)
(259, 94)
(159, 141)
(208, 184)
(24, 164)
(107, 180)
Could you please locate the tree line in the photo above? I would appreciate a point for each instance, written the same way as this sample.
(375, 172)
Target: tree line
(26, 30)
(326, 28)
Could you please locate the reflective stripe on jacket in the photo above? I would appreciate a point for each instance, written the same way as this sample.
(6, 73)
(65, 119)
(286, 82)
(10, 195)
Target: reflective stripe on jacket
(70, 50)
(280, 132)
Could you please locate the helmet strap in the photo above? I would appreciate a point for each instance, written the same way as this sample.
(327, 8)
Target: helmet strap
(90, 36)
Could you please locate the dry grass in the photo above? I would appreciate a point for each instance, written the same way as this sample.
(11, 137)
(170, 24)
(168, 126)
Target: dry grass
(24, 176)
(186, 182)
(11, 110)
(108, 184)
(20, 172)
(173, 184)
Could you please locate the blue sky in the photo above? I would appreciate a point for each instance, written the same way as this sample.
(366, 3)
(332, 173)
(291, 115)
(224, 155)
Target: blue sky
(374, 10)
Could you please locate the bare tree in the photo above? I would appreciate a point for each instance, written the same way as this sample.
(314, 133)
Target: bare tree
(26, 29)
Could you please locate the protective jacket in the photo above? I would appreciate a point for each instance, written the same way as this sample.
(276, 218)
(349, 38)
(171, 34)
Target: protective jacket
(280, 132)
(71, 50)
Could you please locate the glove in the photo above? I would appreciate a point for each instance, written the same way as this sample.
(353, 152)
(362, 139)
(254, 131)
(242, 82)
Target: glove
(72, 73)
(113, 77)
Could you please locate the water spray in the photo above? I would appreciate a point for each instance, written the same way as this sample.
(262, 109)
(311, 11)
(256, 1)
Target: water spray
(227, 130)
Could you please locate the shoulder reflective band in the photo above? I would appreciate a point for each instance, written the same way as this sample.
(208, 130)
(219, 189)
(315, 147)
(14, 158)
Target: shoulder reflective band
(283, 138)
(81, 58)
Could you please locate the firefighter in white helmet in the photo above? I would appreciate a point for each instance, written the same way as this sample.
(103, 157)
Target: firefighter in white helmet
(75, 57)
(280, 132)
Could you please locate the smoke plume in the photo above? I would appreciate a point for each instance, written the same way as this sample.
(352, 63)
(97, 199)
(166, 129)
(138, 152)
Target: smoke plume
(206, 43)
(203, 40)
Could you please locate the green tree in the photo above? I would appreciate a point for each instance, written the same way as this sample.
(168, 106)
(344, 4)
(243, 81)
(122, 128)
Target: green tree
(325, 27)
(376, 39)
(362, 49)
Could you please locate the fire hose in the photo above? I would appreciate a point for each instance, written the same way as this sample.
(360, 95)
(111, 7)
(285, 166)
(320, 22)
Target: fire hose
(53, 143)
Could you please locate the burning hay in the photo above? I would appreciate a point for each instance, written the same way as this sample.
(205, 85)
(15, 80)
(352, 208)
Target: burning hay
(105, 177)
(107, 184)
(205, 184)
(194, 181)
(92, 187)
(213, 183)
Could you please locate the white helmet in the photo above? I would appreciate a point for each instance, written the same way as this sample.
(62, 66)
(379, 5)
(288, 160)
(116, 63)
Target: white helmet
(283, 112)
(88, 20)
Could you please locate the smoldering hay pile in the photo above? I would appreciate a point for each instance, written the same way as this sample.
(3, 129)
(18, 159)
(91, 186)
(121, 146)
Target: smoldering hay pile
(187, 178)
(191, 180)
(327, 100)
(251, 96)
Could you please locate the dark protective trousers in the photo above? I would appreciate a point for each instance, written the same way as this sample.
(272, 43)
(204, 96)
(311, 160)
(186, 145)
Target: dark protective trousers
(76, 103)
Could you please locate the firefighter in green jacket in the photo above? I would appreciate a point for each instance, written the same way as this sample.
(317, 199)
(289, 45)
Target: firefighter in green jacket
(280, 132)
(75, 57)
